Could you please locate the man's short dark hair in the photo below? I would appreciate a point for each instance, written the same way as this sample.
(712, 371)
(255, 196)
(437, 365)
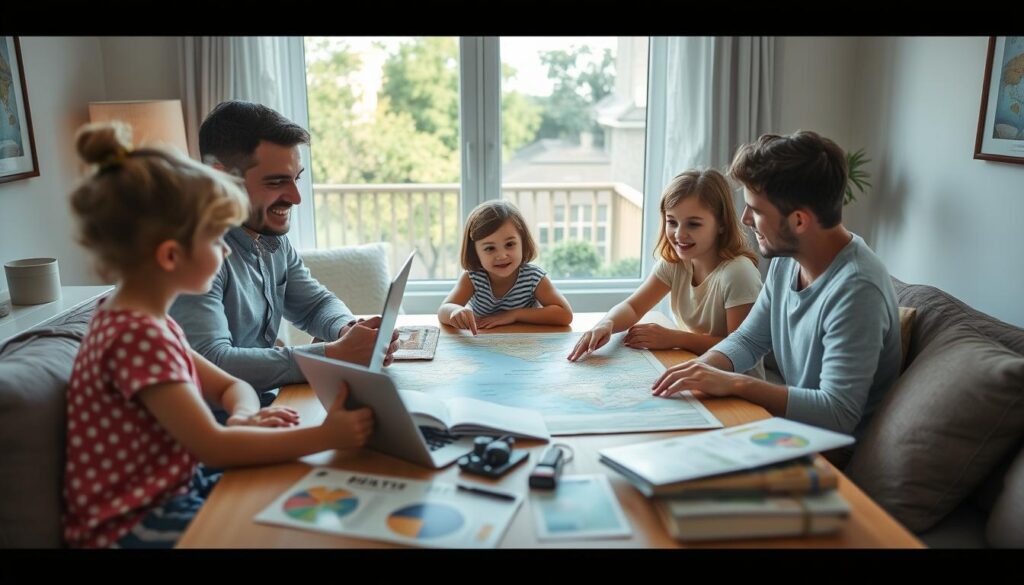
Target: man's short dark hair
(232, 131)
(801, 170)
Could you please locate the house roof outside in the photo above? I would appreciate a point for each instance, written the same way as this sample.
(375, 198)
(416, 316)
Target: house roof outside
(558, 161)
(614, 111)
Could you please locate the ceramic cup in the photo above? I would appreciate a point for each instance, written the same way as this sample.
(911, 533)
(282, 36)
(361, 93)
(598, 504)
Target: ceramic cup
(33, 281)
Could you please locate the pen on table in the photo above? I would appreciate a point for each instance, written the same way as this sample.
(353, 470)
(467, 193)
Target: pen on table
(485, 492)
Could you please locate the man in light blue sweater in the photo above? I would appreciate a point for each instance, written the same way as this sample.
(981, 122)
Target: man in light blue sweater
(828, 307)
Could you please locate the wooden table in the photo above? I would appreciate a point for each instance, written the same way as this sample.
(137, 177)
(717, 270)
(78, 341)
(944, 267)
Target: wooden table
(226, 520)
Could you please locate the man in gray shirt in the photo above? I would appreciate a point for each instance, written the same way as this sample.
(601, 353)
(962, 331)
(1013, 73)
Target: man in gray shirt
(828, 307)
(235, 325)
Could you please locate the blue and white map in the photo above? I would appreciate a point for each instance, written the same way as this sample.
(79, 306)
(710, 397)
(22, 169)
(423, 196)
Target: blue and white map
(607, 392)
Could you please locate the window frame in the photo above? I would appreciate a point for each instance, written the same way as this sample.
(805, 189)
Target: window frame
(480, 139)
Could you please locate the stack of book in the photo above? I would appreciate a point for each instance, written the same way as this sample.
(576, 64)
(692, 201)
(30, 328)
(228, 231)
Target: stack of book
(758, 480)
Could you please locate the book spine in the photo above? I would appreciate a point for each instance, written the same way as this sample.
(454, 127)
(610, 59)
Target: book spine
(806, 480)
(732, 527)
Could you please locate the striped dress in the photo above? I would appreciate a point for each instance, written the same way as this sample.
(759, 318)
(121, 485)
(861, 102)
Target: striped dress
(521, 295)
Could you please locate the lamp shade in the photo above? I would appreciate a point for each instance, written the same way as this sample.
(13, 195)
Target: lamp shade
(153, 122)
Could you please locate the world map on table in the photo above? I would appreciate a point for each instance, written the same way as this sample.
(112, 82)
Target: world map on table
(607, 392)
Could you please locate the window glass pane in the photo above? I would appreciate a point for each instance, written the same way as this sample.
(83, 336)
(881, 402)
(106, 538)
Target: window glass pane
(384, 119)
(574, 132)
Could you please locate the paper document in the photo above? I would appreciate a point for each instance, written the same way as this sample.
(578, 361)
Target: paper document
(582, 507)
(392, 509)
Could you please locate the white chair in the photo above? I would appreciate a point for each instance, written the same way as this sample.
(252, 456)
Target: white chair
(358, 275)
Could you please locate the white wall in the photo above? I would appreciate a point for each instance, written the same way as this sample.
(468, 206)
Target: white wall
(937, 216)
(140, 68)
(63, 74)
(815, 83)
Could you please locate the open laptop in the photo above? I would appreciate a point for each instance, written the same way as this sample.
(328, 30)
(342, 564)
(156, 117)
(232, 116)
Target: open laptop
(389, 315)
(395, 430)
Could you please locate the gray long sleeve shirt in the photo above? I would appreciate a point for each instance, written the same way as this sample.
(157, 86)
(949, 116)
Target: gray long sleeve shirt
(837, 342)
(236, 323)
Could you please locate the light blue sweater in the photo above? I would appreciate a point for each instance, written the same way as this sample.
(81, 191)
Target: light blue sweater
(837, 342)
(235, 325)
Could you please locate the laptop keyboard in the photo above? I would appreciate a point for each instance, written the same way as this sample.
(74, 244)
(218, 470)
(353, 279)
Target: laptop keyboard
(436, 438)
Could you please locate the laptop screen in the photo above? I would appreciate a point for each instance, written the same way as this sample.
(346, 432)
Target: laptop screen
(389, 315)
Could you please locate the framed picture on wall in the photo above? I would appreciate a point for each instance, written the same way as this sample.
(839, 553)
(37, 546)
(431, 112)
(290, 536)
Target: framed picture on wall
(17, 146)
(1001, 122)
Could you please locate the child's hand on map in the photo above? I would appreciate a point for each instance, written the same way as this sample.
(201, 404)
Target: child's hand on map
(591, 341)
(464, 319)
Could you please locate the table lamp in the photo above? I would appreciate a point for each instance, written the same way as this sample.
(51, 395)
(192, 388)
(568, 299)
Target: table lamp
(153, 122)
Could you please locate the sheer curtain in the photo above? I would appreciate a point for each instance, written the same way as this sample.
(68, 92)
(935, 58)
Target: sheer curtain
(267, 70)
(717, 96)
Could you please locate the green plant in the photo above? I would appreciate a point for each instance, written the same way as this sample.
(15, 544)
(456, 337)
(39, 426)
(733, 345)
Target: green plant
(856, 175)
(571, 259)
(623, 268)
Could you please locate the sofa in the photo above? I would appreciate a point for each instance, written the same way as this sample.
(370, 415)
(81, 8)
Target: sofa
(943, 454)
(34, 370)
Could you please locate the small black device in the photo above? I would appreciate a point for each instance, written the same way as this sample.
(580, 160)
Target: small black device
(492, 457)
(545, 475)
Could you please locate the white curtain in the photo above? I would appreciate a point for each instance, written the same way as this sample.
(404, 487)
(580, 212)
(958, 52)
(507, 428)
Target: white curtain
(266, 70)
(718, 96)
(719, 92)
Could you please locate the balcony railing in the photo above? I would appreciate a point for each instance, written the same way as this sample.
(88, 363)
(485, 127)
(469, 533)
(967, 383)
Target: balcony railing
(426, 216)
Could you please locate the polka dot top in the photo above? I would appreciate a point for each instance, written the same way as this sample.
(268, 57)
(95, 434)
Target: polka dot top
(120, 462)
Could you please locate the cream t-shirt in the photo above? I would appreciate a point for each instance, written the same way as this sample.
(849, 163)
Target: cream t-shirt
(701, 308)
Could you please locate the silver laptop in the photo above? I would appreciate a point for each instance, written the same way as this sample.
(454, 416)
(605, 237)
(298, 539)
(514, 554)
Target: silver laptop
(395, 430)
(389, 315)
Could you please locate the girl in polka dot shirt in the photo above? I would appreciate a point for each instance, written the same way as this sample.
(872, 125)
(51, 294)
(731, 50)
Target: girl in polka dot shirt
(138, 425)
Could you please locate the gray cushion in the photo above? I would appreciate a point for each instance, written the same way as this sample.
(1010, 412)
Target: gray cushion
(1006, 522)
(947, 422)
(938, 310)
(34, 371)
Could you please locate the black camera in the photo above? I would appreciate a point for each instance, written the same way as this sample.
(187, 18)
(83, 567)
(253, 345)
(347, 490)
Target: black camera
(492, 457)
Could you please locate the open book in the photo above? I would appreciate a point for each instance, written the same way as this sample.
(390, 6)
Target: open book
(465, 416)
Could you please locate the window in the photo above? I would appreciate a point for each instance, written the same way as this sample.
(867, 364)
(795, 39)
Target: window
(563, 99)
(384, 119)
(404, 144)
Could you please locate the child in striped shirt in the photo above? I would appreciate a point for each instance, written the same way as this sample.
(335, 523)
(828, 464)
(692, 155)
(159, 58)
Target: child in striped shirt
(499, 285)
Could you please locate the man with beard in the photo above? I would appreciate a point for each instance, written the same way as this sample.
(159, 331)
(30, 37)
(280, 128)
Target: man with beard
(828, 307)
(235, 325)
